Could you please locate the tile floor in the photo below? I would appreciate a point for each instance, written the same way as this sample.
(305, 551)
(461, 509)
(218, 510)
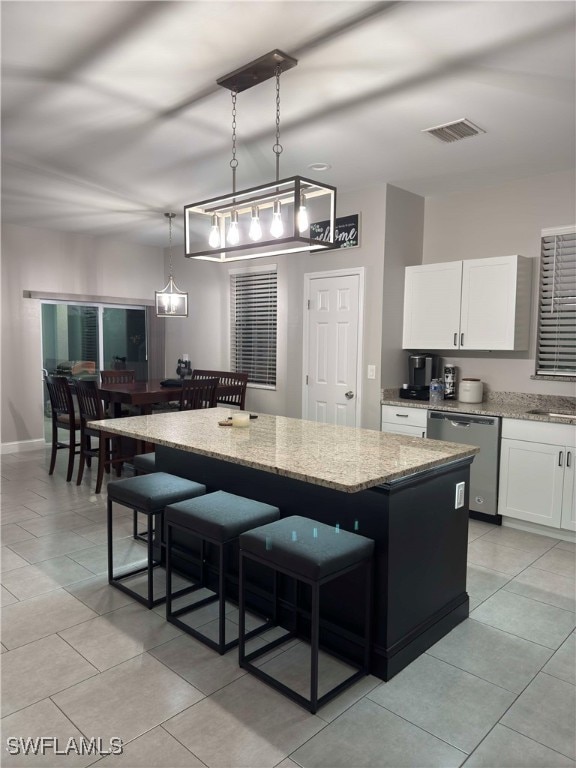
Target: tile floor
(82, 659)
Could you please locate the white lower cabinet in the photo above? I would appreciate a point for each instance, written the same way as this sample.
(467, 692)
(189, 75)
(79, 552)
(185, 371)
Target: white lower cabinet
(537, 473)
(404, 421)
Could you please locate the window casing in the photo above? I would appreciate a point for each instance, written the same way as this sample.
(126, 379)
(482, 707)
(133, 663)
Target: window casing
(556, 348)
(254, 324)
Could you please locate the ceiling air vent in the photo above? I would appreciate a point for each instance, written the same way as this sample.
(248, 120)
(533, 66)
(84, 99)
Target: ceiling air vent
(459, 129)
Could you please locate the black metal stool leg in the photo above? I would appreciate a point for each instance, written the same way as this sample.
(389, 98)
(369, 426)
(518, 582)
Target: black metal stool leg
(241, 611)
(221, 600)
(110, 537)
(314, 647)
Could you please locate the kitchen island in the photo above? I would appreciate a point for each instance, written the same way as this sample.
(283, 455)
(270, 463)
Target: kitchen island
(399, 491)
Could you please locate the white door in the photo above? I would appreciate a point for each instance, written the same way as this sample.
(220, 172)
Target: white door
(432, 306)
(332, 330)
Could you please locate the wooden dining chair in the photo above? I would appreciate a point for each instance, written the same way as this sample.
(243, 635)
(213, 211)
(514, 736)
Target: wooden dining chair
(117, 377)
(108, 451)
(200, 393)
(231, 388)
(63, 417)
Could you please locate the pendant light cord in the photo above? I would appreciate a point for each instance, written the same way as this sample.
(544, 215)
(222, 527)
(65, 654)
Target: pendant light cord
(278, 148)
(170, 216)
(234, 161)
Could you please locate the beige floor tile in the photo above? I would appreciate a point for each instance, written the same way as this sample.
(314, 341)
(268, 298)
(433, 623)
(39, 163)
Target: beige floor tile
(38, 670)
(127, 552)
(41, 616)
(120, 635)
(568, 545)
(64, 542)
(17, 514)
(98, 595)
(155, 749)
(477, 528)
(561, 561)
(483, 582)
(42, 719)
(245, 724)
(97, 533)
(6, 597)
(128, 700)
(517, 539)
(545, 586)
(563, 663)
(11, 533)
(10, 560)
(505, 748)
(498, 558)
(44, 526)
(43, 577)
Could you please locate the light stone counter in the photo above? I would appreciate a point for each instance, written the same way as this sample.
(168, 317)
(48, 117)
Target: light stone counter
(510, 405)
(342, 458)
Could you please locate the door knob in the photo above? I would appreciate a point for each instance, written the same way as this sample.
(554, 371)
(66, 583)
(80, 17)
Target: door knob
(349, 395)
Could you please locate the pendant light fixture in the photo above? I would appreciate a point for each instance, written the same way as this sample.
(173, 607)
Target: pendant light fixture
(171, 301)
(266, 220)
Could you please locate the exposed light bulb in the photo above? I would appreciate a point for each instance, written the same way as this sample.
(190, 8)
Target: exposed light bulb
(302, 217)
(166, 301)
(255, 232)
(277, 226)
(214, 237)
(233, 230)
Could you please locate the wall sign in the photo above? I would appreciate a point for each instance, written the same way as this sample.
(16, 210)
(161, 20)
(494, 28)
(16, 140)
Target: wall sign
(346, 231)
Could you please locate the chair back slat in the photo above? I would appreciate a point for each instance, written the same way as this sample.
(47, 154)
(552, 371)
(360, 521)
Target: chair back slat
(232, 386)
(89, 401)
(199, 393)
(117, 377)
(60, 395)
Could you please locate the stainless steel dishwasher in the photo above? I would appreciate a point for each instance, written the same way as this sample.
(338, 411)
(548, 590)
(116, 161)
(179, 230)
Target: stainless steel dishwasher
(471, 429)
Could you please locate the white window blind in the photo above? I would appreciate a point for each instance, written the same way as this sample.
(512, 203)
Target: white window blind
(556, 352)
(253, 317)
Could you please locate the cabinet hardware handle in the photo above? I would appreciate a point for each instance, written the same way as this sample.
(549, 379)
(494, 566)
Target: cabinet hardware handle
(455, 339)
(402, 415)
(461, 339)
(569, 458)
(560, 458)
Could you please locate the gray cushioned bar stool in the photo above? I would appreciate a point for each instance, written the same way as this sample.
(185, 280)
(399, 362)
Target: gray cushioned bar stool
(149, 495)
(218, 519)
(144, 464)
(311, 553)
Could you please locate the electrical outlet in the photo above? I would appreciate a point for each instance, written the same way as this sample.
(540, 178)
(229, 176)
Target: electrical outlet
(371, 371)
(459, 498)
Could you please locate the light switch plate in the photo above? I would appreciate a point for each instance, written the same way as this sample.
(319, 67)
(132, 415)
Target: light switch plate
(459, 498)
(371, 371)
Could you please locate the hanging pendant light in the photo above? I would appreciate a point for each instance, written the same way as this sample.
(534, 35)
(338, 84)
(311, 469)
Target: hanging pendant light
(171, 301)
(267, 220)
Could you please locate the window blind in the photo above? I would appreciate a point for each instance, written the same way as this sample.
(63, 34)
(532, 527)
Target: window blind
(253, 316)
(556, 352)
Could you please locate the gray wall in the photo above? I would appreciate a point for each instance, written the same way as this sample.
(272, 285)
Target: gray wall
(500, 221)
(58, 262)
(202, 334)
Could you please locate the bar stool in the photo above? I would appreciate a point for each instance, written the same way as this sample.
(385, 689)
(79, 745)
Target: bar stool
(217, 518)
(144, 464)
(315, 554)
(148, 494)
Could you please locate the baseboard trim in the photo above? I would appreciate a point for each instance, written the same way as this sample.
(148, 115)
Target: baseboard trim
(525, 525)
(21, 446)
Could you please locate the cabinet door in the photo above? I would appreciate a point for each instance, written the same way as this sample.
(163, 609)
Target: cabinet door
(488, 315)
(531, 478)
(569, 492)
(403, 429)
(432, 306)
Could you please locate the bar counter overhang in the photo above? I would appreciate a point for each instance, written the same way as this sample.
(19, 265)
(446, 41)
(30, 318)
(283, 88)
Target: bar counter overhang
(398, 490)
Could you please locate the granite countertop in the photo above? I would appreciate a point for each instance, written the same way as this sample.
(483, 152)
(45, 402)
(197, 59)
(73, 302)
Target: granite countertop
(343, 458)
(510, 405)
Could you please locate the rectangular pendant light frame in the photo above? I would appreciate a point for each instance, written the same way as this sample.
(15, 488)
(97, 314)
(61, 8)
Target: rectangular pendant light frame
(198, 217)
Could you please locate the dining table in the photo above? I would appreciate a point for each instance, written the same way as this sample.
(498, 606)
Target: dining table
(140, 394)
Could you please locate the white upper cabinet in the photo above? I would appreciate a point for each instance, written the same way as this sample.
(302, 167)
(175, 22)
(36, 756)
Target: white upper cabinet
(474, 304)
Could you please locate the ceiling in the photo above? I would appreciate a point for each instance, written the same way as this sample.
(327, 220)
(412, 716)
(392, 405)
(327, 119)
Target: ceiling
(111, 113)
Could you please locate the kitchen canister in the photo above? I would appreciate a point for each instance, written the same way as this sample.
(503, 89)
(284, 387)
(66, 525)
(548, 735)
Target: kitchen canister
(470, 391)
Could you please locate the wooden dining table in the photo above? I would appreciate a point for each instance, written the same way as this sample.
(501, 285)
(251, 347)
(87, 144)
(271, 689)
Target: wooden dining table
(141, 394)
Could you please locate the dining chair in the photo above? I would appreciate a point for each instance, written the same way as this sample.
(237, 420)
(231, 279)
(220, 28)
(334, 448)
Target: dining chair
(108, 454)
(63, 417)
(200, 393)
(231, 388)
(117, 377)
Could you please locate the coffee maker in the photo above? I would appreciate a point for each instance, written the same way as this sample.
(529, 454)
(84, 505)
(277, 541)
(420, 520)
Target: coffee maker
(422, 368)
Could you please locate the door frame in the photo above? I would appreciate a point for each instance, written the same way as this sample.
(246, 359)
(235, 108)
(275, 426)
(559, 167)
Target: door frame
(308, 277)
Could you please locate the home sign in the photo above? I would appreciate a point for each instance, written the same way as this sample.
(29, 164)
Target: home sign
(346, 232)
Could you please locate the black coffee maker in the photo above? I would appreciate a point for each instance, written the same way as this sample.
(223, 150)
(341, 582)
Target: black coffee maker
(422, 368)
